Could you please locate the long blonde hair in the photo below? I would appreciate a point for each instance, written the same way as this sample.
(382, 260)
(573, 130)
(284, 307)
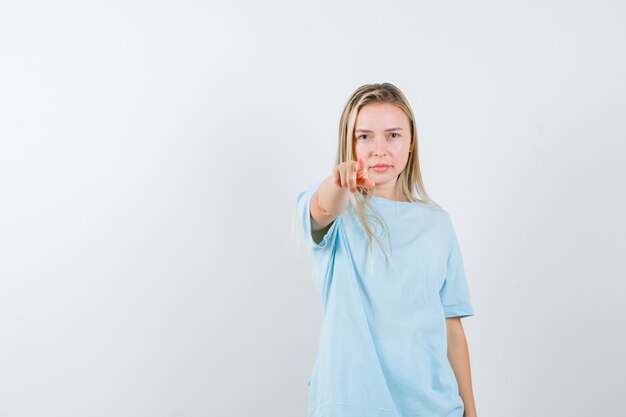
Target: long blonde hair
(409, 185)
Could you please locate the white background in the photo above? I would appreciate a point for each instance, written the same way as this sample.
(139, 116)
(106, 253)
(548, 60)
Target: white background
(150, 152)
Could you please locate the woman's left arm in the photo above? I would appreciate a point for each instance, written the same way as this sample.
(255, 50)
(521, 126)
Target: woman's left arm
(458, 355)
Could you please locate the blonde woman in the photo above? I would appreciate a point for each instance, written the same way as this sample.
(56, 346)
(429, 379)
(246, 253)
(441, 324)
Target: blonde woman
(391, 340)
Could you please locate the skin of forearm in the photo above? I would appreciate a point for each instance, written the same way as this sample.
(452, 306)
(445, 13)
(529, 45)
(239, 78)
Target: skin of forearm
(331, 197)
(458, 355)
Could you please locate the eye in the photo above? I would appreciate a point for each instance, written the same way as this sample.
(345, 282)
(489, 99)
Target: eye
(361, 136)
(398, 135)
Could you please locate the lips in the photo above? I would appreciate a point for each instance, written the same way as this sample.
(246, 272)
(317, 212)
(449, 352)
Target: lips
(381, 167)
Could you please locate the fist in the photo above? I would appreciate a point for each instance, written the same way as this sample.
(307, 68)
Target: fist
(349, 174)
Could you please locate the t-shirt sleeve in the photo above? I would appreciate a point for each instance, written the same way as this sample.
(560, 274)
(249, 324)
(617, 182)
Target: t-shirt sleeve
(454, 293)
(303, 214)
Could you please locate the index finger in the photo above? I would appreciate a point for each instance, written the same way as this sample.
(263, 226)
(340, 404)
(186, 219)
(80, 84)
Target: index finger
(361, 166)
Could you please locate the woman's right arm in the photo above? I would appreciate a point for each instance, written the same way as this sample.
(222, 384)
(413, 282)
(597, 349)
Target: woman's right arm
(331, 198)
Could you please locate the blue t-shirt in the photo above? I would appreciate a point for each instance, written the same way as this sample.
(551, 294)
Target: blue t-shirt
(383, 343)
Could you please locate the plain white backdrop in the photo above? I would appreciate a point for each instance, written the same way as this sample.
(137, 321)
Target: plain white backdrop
(150, 152)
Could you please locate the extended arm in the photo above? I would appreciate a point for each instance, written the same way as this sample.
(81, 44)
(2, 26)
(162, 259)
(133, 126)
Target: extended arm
(458, 356)
(334, 200)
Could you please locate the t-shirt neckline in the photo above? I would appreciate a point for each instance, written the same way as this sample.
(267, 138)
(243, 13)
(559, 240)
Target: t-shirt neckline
(390, 202)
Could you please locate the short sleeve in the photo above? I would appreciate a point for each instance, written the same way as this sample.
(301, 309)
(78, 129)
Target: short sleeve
(303, 214)
(454, 293)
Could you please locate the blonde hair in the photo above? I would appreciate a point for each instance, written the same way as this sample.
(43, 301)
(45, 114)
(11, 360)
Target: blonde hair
(409, 185)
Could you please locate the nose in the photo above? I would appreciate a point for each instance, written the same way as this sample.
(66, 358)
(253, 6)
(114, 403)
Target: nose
(380, 147)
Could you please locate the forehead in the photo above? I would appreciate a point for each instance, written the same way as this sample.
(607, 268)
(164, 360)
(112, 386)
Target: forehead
(381, 116)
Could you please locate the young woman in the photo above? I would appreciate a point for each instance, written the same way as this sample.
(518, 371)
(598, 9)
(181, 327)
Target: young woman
(391, 340)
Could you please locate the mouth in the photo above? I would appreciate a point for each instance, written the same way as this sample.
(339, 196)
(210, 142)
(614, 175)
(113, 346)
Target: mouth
(381, 168)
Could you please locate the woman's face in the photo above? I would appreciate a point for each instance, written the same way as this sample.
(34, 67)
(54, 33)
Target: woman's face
(382, 135)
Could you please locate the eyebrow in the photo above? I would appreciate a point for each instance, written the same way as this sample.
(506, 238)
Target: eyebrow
(386, 130)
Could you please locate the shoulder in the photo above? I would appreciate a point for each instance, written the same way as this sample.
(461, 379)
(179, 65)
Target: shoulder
(435, 214)
(307, 190)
